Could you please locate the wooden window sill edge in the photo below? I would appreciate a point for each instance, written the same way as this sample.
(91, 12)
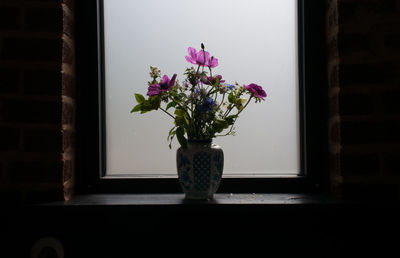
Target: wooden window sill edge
(220, 199)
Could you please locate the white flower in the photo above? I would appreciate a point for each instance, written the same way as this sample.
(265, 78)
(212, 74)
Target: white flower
(155, 72)
(223, 88)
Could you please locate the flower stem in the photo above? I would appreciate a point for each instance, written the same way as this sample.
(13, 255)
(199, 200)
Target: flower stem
(222, 101)
(166, 112)
(240, 111)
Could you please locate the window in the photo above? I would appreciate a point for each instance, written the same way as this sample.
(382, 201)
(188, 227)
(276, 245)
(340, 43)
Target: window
(283, 35)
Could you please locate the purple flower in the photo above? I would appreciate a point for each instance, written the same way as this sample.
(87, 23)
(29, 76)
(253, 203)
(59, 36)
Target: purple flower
(230, 86)
(256, 90)
(212, 62)
(207, 105)
(165, 85)
(212, 80)
(197, 58)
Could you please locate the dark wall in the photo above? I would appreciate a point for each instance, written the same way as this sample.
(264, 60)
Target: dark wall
(30, 99)
(369, 50)
(31, 142)
(33, 147)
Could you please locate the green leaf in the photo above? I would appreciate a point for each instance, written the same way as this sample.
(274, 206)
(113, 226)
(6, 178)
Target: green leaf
(232, 98)
(171, 132)
(231, 119)
(220, 125)
(137, 108)
(180, 135)
(179, 112)
(179, 121)
(146, 106)
(187, 119)
(139, 98)
(155, 102)
(171, 104)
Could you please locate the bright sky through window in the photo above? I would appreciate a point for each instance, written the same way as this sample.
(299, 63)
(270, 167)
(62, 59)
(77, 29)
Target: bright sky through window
(254, 41)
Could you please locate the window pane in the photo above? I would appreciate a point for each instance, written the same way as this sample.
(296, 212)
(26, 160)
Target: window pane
(254, 40)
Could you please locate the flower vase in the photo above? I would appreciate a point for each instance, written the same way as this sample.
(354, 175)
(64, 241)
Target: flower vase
(200, 166)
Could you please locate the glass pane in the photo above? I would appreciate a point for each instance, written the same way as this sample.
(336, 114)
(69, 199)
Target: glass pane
(254, 40)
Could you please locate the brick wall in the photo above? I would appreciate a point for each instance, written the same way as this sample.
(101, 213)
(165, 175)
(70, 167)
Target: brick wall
(37, 100)
(333, 61)
(369, 50)
(68, 99)
(30, 99)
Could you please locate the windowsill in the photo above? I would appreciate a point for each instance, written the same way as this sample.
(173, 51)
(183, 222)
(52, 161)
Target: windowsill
(178, 199)
(117, 225)
(271, 200)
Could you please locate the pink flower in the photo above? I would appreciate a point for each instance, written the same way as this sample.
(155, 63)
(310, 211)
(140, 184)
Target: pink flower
(256, 90)
(212, 62)
(197, 58)
(165, 85)
(212, 80)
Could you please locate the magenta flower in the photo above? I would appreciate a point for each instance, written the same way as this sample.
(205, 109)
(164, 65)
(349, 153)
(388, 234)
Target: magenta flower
(197, 58)
(165, 85)
(212, 80)
(212, 62)
(256, 90)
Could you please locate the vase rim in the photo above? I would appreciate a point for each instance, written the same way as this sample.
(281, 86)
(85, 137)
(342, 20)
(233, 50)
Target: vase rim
(207, 140)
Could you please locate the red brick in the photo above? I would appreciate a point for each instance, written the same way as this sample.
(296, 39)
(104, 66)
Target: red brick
(333, 76)
(370, 192)
(68, 54)
(9, 80)
(362, 164)
(68, 23)
(335, 133)
(9, 139)
(42, 140)
(392, 41)
(391, 102)
(43, 19)
(10, 18)
(68, 140)
(392, 163)
(69, 3)
(356, 104)
(2, 173)
(30, 111)
(43, 171)
(346, 11)
(360, 132)
(42, 82)
(375, 73)
(68, 115)
(67, 170)
(68, 85)
(44, 195)
(353, 43)
(31, 49)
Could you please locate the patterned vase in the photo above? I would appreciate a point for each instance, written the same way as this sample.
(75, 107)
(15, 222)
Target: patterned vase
(200, 167)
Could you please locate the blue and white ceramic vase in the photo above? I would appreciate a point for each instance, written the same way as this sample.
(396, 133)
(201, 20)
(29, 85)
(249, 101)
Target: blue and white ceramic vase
(200, 167)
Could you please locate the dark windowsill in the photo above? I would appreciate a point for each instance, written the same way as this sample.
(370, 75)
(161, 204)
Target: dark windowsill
(242, 200)
(268, 199)
(114, 225)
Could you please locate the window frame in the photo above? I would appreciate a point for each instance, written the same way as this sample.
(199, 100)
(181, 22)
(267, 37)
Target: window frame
(90, 122)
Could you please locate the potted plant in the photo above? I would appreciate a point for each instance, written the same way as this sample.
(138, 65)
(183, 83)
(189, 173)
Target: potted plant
(201, 108)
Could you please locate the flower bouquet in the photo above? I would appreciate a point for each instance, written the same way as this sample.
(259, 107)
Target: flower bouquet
(202, 107)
